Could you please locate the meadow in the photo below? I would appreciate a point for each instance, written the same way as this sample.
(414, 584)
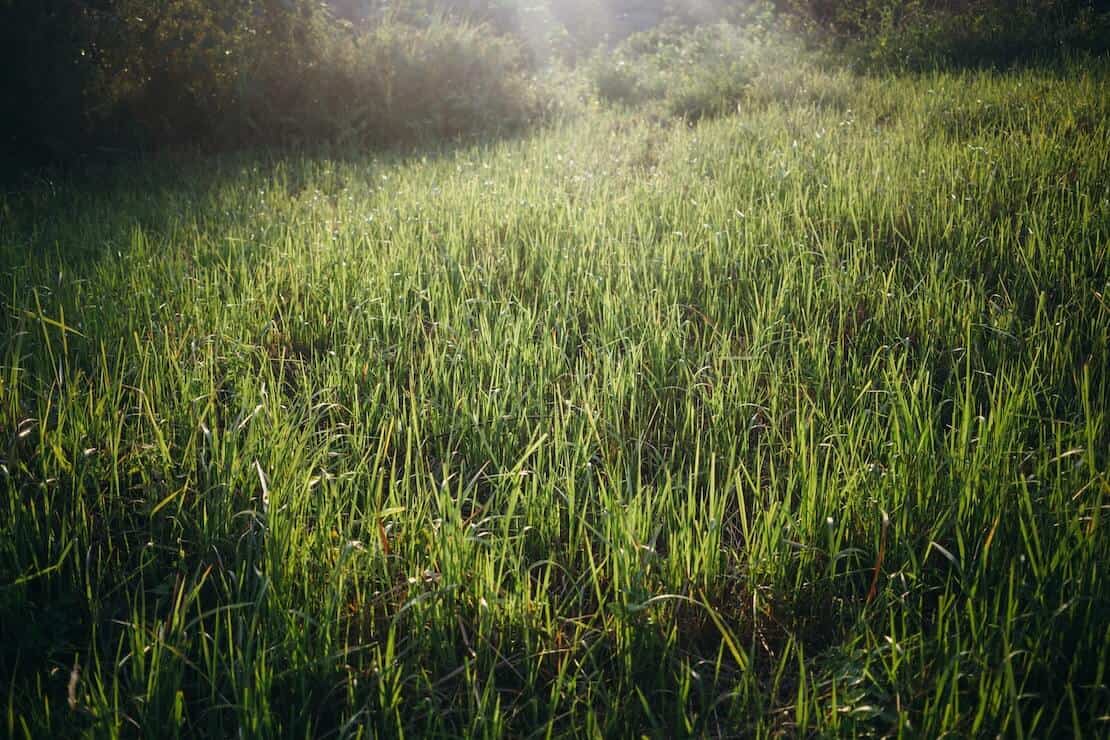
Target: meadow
(789, 422)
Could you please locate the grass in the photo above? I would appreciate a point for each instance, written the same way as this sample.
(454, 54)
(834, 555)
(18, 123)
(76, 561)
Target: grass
(790, 422)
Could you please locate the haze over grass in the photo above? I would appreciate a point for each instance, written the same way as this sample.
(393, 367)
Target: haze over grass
(794, 421)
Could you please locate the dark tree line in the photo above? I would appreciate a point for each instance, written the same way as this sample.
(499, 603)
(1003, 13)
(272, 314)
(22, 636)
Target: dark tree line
(93, 78)
(89, 78)
(82, 76)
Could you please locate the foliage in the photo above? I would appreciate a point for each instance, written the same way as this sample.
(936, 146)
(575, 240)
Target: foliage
(916, 34)
(311, 80)
(393, 83)
(105, 77)
(503, 16)
(217, 74)
(42, 79)
(699, 71)
(173, 74)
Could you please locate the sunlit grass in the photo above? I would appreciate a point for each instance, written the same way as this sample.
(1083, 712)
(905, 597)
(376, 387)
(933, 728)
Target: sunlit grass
(791, 422)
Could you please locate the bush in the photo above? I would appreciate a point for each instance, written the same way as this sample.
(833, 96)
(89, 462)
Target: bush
(692, 72)
(215, 75)
(42, 81)
(394, 83)
(695, 71)
(441, 81)
(991, 34)
(915, 34)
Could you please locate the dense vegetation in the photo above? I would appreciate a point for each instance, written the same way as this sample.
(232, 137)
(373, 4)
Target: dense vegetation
(749, 395)
(95, 80)
(130, 75)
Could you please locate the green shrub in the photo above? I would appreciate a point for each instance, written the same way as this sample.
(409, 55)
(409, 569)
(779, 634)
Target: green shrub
(393, 83)
(915, 34)
(443, 80)
(215, 75)
(42, 80)
(695, 72)
(618, 82)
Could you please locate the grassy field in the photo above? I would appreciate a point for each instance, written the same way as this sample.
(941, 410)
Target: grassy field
(793, 422)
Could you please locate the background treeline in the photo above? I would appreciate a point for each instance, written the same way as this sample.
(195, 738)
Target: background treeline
(93, 77)
(917, 34)
(96, 78)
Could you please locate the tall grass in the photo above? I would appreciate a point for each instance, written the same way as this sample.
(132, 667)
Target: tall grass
(792, 422)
